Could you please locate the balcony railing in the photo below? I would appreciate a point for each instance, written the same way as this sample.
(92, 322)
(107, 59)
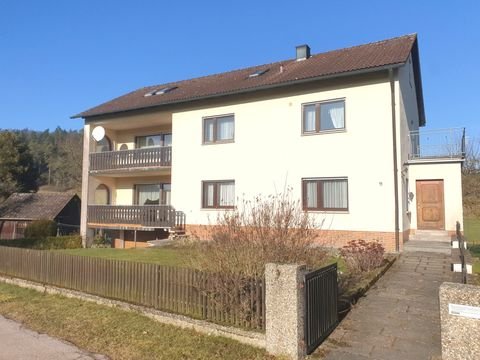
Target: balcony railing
(129, 159)
(155, 216)
(437, 144)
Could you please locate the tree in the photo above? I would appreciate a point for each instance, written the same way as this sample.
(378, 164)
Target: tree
(66, 163)
(472, 156)
(471, 178)
(17, 170)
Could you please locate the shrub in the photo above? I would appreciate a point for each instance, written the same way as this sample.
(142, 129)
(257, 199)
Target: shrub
(267, 229)
(271, 229)
(102, 241)
(360, 255)
(41, 229)
(49, 243)
(59, 242)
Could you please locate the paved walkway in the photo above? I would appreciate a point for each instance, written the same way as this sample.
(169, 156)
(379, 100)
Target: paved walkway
(399, 317)
(19, 343)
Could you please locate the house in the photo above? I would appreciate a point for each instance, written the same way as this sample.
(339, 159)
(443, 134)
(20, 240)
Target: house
(22, 208)
(341, 128)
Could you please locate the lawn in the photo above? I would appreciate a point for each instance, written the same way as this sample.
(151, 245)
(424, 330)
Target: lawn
(170, 256)
(472, 233)
(116, 333)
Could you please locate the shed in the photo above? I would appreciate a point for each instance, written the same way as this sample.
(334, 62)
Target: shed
(21, 208)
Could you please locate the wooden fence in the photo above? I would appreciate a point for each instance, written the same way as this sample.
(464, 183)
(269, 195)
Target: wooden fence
(212, 297)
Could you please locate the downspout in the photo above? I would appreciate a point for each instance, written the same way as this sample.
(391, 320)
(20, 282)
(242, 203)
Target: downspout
(395, 162)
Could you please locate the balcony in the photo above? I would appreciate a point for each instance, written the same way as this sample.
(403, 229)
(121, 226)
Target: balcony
(437, 144)
(136, 216)
(145, 158)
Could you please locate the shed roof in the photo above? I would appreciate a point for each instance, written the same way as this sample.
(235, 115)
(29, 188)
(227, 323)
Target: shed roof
(34, 206)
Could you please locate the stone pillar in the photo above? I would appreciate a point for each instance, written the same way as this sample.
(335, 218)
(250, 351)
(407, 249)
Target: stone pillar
(85, 180)
(460, 321)
(284, 310)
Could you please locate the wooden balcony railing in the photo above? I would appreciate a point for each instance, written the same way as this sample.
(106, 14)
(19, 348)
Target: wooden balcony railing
(128, 159)
(156, 216)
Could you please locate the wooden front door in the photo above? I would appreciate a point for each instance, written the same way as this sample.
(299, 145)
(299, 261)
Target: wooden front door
(430, 205)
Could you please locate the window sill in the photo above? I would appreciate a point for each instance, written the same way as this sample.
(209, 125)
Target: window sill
(344, 212)
(324, 132)
(219, 142)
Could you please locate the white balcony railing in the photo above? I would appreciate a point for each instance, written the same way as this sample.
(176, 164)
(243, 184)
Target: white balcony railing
(437, 144)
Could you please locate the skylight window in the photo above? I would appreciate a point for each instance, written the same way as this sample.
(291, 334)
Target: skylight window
(258, 73)
(160, 91)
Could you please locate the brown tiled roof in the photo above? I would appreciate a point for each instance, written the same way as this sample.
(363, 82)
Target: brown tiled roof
(34, 206)
(358, 58)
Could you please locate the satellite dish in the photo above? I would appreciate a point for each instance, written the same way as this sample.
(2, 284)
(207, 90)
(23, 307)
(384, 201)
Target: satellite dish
(98, 133)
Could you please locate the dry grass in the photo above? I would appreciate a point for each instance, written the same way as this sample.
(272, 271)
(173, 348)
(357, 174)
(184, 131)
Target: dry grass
(113, 332)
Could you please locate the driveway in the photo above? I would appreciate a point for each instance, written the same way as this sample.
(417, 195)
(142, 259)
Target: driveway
(20, 343)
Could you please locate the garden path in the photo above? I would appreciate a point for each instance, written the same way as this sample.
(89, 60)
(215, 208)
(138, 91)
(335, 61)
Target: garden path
(399, 317)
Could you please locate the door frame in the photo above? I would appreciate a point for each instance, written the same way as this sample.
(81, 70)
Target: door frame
(418, 206)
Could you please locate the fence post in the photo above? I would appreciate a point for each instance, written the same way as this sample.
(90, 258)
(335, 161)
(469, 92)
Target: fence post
(284, 310)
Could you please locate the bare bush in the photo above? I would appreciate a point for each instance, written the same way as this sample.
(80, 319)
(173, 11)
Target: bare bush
(361, 256)
(257, 232)
(267, 229)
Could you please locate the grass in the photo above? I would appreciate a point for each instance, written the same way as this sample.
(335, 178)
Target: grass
(472, 230)
(116, 333)
(169, 256)
(472, 233)
(163, 256)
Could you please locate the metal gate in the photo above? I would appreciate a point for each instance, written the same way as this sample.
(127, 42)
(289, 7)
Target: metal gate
(321, 317)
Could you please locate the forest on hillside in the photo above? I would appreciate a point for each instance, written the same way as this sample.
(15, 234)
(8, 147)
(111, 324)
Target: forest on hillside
(47, 160)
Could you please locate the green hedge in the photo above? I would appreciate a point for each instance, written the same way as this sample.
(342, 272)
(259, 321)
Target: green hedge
(49, 243)
(41, 229)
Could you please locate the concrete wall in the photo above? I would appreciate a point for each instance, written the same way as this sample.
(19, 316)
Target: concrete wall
(460, 321)
(450, 173)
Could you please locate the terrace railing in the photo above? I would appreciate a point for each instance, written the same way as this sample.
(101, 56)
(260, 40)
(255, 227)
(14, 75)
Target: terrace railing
(437, 144)
(157, 216)
(128, 159)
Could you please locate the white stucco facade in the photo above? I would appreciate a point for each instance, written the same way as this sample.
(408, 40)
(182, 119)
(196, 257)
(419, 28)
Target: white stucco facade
(269, 154)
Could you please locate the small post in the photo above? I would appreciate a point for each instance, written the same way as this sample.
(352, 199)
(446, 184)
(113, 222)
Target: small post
(284, 310)
(135, 238)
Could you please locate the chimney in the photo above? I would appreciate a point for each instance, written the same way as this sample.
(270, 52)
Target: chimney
(303, 52)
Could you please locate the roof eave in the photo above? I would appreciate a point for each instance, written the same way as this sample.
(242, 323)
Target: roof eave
(249, 90)
(418, 82)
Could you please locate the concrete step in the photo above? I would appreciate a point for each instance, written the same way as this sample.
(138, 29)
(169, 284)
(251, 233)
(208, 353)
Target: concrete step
(428, 246)
(430, 235)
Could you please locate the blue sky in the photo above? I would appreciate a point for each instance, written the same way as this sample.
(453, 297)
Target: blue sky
(58, 58)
